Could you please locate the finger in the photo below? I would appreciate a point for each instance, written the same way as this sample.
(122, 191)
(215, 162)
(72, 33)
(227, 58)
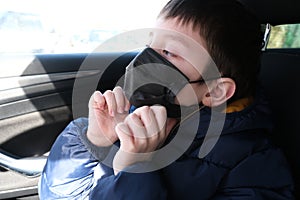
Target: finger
(110, 102)
(125, 137)
(120, 99)
(147, 117)
(99, 99)
(124, 134)
(96, 100)
(127, 104)
(160, 114)
(136, 126)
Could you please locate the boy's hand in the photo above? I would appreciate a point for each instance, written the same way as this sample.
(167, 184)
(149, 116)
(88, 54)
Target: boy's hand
(105, 112)
(142, 132)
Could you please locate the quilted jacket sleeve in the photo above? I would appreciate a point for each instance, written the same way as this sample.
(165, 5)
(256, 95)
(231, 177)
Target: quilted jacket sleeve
(74, 170)
(69, 171)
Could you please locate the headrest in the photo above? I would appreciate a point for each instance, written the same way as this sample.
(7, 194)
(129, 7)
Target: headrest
(274, 12)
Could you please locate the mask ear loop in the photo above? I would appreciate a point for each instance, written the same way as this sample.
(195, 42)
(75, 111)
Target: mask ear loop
(201, 80)
(179, 122)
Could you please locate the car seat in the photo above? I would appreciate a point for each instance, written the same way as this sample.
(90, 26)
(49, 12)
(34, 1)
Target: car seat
(279, 76)
(280, 69)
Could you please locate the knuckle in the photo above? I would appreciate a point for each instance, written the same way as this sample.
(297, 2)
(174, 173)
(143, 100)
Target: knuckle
(117, 88)
(107, 91)
(141, 110)
(108, 94)
(144, 109)
(131, 118)
(142, 142)
(159, 109)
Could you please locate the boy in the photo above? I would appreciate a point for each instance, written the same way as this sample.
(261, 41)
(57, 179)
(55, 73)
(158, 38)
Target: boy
(241, 163)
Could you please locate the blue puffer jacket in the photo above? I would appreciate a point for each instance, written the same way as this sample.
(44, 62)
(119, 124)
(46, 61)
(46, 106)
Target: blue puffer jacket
(243, 164)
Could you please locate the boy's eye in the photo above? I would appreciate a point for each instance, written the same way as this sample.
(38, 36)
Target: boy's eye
(168, 54)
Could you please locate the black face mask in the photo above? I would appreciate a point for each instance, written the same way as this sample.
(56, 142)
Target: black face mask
(151, 79)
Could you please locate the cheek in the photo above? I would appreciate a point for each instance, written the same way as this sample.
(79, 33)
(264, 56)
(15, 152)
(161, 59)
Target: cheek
(191, 94)
(189, 70)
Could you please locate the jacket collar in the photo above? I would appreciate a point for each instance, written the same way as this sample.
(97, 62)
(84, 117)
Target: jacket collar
(257, 115)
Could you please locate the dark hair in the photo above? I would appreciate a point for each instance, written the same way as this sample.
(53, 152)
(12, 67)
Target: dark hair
(233, 37)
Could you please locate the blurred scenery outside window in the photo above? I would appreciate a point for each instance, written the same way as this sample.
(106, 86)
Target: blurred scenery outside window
(285, 36)
(67, 26)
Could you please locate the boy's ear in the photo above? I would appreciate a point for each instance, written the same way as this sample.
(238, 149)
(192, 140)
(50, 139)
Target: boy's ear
(223, 90)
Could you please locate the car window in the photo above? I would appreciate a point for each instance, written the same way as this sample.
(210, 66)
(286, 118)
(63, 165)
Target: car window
(55, 26)
(285, 36)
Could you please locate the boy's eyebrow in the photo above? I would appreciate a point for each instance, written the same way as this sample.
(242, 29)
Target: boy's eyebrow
(182, 40)
(171, 36)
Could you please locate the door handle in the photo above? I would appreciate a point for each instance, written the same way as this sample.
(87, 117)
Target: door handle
(31, 166)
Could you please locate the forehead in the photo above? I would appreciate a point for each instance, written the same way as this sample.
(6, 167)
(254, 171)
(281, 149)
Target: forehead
(176, 25)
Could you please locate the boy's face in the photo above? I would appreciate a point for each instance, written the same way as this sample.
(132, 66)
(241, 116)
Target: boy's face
(182, 48)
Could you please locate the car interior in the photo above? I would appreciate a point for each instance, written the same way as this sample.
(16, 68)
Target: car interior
(36, 101)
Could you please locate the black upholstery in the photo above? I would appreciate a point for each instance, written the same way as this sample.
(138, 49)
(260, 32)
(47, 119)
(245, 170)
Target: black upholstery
(280, 77)
(275, 12)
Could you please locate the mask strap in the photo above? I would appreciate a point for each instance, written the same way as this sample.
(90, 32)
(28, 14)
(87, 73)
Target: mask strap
(203, 81)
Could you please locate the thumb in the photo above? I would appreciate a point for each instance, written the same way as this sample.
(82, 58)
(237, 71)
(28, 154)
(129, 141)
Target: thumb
(124, 134)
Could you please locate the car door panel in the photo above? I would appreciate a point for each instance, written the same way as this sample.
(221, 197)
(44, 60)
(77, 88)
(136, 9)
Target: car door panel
(36, 105)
